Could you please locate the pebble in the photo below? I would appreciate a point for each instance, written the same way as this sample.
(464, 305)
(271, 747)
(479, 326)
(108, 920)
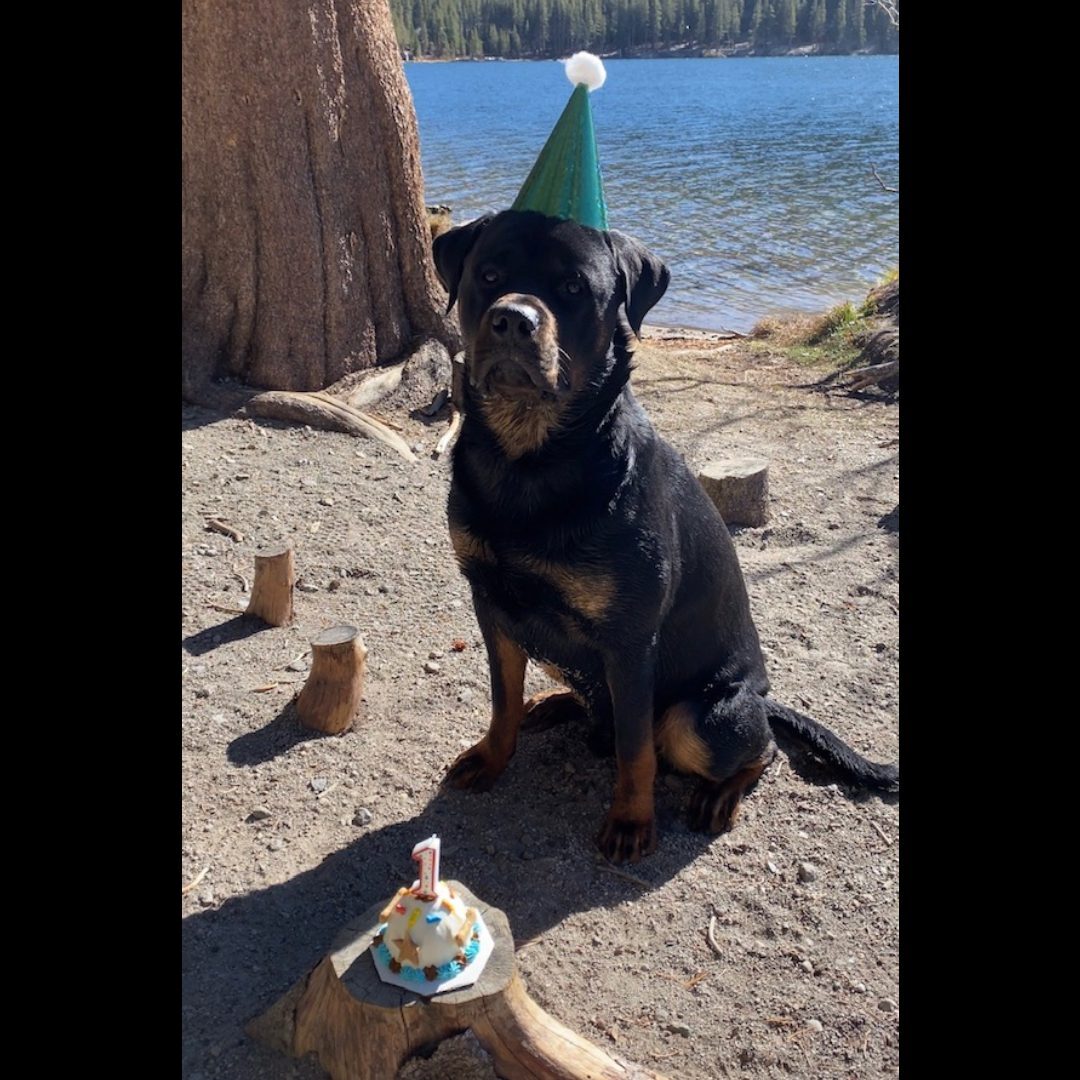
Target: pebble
(276, 844)
(259, 813)
(679, 1029)
(807, 967)
(466, 696)
(319, 783)
(432, 668)
(307, 586)
(815, 1025)
(807, 872)
(296, 665)
(326, 501)
(859, 988)
(206, 897)
(490, 849)
(363, 816)
(771, 867)
(887, 1005)
(204, 691)
(434, 655)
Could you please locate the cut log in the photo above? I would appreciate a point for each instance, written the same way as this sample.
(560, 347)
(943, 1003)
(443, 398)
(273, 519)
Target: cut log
(331, 696)
(272, 590)
(361, 1028)
(740, 489)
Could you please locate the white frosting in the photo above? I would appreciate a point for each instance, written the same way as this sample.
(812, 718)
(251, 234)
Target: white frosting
(435, 939)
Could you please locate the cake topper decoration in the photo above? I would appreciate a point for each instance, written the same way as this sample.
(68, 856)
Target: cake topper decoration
(428, 940)
(565, 182)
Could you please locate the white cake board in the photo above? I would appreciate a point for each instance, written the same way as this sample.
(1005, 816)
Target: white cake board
(466, 977)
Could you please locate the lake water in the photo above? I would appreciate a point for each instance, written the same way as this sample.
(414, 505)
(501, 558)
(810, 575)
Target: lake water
(750, 177)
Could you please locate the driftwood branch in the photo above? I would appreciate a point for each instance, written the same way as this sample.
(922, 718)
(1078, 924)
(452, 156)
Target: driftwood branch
(217, 525)
(884, 186)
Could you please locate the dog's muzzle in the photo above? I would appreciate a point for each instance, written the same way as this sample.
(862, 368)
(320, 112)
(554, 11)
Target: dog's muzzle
(516, 351)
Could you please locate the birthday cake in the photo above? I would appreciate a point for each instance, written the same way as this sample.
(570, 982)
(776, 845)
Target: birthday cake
(428, 938)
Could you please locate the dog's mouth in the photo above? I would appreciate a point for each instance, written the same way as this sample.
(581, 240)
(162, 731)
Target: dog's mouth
(506, 373)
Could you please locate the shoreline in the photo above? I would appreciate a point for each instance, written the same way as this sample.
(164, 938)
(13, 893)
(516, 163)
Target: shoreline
(733, 52)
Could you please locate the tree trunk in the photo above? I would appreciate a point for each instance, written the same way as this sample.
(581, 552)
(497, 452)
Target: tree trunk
(306, 244)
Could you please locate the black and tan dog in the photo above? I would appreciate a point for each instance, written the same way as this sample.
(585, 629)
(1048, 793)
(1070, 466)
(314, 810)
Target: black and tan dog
(589, 546)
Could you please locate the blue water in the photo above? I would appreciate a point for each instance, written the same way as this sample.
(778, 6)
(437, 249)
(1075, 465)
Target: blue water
(750, 177)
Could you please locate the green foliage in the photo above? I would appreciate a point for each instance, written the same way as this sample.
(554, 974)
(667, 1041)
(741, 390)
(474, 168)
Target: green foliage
(832, 322)
(443, 29)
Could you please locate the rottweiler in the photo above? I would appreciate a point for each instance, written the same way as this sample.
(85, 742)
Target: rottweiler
(589, 546)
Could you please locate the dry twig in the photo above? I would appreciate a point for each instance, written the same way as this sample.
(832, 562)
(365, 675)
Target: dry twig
(194, 883)
(877, 828)
(217, 525)
(455, 426)
(624, 875)
(227, 610)
(873, 169)
(710, 937)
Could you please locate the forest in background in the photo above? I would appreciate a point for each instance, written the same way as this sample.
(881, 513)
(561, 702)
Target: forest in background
(536, 29)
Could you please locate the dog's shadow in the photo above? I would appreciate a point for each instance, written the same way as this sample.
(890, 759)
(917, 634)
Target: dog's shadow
(526, 847)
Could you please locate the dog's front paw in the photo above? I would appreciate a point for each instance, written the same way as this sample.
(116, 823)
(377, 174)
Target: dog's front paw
(551, 708)
(621, 840)
(475, 770)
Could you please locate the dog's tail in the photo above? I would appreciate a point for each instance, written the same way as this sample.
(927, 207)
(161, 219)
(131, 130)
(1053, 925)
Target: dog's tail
(834, 750)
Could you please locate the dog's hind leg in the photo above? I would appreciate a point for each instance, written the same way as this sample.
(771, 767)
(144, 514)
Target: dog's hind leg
(728, 743)
(480, 766)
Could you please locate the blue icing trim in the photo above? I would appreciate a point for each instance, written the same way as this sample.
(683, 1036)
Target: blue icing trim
(443, 972)
(383, 953)
(437, 917)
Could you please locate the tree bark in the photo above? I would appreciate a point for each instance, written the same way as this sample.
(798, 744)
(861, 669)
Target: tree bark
(306, 243)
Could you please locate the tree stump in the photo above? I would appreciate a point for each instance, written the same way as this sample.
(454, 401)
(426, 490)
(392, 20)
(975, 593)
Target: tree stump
(361, 1028)
(739, 487)
(272, 590)
(331, 695)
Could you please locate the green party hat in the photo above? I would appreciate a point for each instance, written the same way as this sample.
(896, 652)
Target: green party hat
(565, 182)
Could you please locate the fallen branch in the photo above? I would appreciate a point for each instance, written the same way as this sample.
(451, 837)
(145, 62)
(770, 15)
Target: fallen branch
(216, 525)
(876, 373)
(323, 410)
(227, 610)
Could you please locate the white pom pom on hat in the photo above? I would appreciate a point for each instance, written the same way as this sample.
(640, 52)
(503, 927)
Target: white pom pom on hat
(585, 67)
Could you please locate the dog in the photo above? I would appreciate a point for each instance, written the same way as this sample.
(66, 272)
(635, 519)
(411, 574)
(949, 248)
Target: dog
(589, 546)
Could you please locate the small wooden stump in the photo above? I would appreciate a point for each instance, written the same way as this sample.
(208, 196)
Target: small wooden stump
(272, 590)
(331, 695)
(361, 1028)
(740, 489)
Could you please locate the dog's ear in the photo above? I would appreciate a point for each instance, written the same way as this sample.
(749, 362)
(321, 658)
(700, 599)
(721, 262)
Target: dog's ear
(450, 251)
(645, 276)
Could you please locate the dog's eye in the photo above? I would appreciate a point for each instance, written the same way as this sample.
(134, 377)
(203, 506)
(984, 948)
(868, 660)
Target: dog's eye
(574, 287)
(489, 276)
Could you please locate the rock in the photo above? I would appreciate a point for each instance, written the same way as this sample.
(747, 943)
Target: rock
(807, 872)
(815, 1025)
(260, 813)
(807, 967)
(466, 696)
(204, 691)
(679, 1029)
(319, 783)
(363, 816)
(739, 487)
(306, 586)
(206, 898)
(887, 1005)
(771, 867)
(326, 501)
(296, 665)
(431, 667)
(276, 844)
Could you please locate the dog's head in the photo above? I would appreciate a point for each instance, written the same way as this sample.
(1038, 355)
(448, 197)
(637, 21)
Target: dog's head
(546, 307)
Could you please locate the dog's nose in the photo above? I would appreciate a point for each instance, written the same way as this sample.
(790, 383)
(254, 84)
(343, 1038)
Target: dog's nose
(514, 319)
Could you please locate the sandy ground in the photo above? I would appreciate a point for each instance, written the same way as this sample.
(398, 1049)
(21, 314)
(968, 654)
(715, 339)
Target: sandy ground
(288, 836)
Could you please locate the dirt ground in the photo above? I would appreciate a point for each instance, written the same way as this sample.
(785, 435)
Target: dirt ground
(286, 836)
